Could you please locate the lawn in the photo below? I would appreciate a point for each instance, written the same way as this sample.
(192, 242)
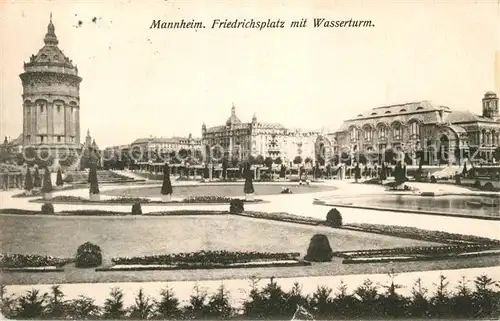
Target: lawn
(137, 236)
(228, 190)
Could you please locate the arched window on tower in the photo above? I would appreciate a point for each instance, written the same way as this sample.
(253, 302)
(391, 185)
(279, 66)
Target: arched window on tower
(382, 131)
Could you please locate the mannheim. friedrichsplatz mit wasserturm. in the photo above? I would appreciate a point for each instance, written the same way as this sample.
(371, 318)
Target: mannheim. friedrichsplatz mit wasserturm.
(397, 209)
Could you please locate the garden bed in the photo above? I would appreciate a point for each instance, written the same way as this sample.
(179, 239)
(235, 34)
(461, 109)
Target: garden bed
(283, 217)
(69, 199)
(205, 260)
(203, 266)
(32, 262)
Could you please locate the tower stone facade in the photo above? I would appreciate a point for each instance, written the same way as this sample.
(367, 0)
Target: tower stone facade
(51, 97)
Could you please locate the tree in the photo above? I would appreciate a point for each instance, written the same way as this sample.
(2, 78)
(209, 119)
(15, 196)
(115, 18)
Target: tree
(383, 173)
(224, 168)
(259, 160)
(197, 309)
(94, 184)
(357, 172)
(166, 187)
(248, 187)
(319, 249)
(463, 305)
(31, 305)
(142, 308)
(440, 302)
(369, 297)
(28, 182)
(283, 171)
(321, 301)
(83, 308)
(464, 171)
(37, 179)
(297, 160)
(47, 181)
(218, 305)
(485, 297)
(419, 306)
(269, 164)
(113, 306)
(278, 161)
(168, 306)
(56, 308)
(7, 303)
(59, 180)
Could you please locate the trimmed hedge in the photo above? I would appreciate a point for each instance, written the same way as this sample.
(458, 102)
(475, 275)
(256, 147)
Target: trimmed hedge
(88, 255)
(47, 208)
(319, 249)
(334, 218)
(136, 209)
(236, 206)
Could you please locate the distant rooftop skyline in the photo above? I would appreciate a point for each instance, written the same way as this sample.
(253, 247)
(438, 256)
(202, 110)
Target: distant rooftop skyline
(139, 81)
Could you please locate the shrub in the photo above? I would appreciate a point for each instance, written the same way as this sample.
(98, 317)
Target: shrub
(47, 208)
(28, 182)
(59, 179)
(136, 209)
(319, 249)
(334, 218)
(236, 206)
(88, 255)
(47, 182)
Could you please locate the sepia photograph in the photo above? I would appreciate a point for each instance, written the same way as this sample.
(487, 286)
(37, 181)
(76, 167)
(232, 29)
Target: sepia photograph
(249, 160)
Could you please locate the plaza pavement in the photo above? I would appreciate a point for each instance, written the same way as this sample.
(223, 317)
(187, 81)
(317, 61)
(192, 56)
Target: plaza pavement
(300, 204)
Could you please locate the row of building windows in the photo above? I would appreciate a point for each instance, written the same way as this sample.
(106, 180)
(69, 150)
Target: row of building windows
(40, 139)
(397, 132)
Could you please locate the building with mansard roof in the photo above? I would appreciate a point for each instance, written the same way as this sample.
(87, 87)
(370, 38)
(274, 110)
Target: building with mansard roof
(256, 138)
(167, 144)
(420, 126)
(51, 97)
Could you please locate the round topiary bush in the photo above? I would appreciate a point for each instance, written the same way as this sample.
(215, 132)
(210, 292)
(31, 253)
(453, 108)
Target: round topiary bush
(136, 209)
(88, 255)
(334, 218)
(319, 249)
(47, 208)
(236, 206)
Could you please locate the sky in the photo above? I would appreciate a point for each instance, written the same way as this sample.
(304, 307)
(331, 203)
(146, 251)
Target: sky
(139, 81)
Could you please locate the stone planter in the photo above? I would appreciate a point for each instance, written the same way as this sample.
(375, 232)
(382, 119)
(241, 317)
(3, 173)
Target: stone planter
(249, 197)
(166, 198)
(47, 196)
(94, 197)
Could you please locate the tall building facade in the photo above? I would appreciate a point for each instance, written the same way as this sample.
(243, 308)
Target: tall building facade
(421, 126)
(241, 139)
(51, 97)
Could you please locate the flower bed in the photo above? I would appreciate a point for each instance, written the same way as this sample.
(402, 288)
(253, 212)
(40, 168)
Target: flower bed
(206, 257)
(143, 200)
(420, 234)
(283, 217)
(202, 265)
(415, 251)
(34, 269)
(10, 261)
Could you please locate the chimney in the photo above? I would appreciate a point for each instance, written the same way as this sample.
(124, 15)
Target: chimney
(497, 73)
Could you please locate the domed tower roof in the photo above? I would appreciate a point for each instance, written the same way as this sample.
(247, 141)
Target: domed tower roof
(490, 94)
(233, 119)
(50, 54)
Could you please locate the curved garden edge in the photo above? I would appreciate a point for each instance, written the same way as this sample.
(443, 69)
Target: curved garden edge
(407, 211)
(204, 266)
